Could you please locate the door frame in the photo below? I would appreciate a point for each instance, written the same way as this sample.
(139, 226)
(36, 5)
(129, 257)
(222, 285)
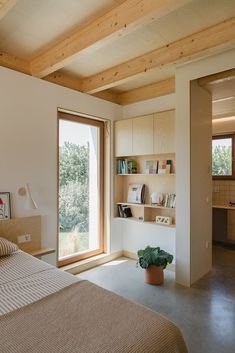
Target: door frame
(101, 125)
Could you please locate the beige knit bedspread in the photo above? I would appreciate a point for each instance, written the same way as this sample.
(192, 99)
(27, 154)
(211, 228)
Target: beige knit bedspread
(84, 318)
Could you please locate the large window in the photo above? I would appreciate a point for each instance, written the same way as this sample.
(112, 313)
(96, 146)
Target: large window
(223, 157)
(80, 188)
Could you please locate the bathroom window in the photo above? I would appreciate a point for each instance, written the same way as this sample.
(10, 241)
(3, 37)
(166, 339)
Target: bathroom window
(223, 157)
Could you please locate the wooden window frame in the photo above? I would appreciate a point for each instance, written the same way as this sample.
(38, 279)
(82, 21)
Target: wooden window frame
(101, 125)
(226, 177)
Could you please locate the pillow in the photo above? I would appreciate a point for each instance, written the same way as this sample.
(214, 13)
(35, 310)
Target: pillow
(7, 247)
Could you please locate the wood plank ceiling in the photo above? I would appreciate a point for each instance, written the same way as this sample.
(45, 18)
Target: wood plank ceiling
(124, 51)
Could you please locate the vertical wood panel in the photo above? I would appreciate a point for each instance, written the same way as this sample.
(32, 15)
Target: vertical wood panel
(143, 135)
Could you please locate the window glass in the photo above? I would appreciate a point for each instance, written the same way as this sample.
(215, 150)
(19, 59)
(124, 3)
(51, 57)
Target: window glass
(80, 198)
(222, 157)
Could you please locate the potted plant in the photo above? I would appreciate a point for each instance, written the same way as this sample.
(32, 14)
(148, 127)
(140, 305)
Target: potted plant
(154, 261)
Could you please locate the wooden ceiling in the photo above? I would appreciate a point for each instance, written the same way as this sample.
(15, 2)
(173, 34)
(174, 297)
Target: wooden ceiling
(120, 50)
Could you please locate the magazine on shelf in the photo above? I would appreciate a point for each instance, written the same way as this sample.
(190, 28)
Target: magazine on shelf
(136, 193)
(151, 167)
(164, 166)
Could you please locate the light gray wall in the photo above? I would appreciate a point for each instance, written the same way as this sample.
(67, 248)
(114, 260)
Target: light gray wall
(28, 143)
(200, 181)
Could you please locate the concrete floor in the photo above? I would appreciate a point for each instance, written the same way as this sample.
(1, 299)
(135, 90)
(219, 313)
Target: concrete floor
(205, 313)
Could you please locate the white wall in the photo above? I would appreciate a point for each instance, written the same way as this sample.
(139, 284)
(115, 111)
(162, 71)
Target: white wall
(28, 143)
(149, 106)
(184, 231)
(200, 181)
(138, 235)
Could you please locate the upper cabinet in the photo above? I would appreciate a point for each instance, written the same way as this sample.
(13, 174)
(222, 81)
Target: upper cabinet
(143, 135)
(123, 138)
(164, 132)
(150, 134)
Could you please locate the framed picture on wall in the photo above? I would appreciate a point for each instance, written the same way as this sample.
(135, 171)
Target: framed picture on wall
(5, 205)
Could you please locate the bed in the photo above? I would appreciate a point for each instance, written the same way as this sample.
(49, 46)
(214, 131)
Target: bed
(43, 309)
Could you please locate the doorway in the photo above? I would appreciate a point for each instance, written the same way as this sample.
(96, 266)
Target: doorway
(80, 188)
(219, 193)
(223, 158)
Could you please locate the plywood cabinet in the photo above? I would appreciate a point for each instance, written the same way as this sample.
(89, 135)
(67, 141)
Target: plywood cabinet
(143, 135)
(164, 132)
(123, 137)
(146, 135)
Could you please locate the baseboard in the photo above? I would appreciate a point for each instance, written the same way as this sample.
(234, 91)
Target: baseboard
(84, 265)
(130, 255)
(133, 256)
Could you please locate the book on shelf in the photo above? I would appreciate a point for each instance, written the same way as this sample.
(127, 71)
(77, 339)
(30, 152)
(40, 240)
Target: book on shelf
(170, 200)
(124, 211)
(136, 193)
(164, 166)
(126, 166)
(151, 167)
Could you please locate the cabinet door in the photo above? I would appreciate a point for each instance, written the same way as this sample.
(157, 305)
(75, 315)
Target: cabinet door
(123, 138)
(143, 135)
(164, 132)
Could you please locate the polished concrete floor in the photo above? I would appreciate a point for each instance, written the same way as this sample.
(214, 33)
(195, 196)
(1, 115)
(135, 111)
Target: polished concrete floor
(205, 313)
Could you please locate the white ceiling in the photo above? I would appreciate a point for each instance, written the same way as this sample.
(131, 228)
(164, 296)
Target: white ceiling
(34, 24)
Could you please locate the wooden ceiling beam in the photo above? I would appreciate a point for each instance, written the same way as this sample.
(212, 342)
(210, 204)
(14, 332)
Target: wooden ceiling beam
(136, 95)
(195, 45)
(118, 21)
(108, 95)
(13, 62)
(153, 90)
(64, 79)
(6, 6)
(217, 78)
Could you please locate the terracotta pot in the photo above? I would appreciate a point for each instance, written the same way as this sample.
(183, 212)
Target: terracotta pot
(154, 275)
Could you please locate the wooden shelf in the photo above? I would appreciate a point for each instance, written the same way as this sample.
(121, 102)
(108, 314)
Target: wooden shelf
(133, 219)
(143, 174)
(145, 205)
(42, 252)
(225, 207)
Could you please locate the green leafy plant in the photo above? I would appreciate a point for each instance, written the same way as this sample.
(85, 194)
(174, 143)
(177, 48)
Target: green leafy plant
(154, 256)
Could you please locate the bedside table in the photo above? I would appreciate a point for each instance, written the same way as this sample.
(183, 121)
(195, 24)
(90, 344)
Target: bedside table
(41, 252)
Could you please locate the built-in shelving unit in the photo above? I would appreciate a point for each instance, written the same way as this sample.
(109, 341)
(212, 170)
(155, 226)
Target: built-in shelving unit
(147, 138)
(145, 174)
(144, 205)
(133, 219)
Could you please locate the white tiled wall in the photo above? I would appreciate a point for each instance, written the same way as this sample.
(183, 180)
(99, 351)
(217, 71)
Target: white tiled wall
(223, 192)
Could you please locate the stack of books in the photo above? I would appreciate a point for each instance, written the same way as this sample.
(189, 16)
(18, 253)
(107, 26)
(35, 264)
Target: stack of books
(170, 200)
(124, 211)
(126, 166)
